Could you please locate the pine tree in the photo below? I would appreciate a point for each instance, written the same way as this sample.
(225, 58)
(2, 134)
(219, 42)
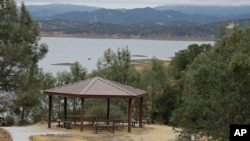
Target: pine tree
(20, 53)
(19, 48)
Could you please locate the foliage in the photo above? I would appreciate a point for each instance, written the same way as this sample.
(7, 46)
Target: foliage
(183, 58)
(19, 56)
(48, 81)
(19, 48)
(9, 120)
(216, 89)
(153, 80)
(166, 103)
(116, 66)
(176, 75)
(78, 72)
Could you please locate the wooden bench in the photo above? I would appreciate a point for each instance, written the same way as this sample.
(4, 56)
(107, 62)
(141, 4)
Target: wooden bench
(144, 122)
(67, 124)
(59, 122)
(75, 118)
(134, 122)
(97, 126)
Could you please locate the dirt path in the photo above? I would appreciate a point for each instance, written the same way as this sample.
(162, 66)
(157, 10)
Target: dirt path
(148, 133)
(42, 133)
(4, 135)
(23, 133)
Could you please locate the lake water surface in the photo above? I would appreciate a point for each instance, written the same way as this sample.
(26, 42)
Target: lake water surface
(70, 50)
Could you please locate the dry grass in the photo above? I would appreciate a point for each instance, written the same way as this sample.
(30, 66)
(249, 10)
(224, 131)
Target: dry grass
(147, 133)
(140, 64)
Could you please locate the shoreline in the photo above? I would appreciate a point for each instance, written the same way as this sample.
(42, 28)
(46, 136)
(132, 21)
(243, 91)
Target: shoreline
(96, 36)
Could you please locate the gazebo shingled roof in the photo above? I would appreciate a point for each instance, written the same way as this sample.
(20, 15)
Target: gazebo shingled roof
(96, 87)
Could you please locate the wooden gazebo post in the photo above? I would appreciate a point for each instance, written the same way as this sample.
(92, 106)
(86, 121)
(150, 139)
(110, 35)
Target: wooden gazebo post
(141, 112)
(108, 107)
(129, 114)
(50, 110)
(82, 114)
(65, 107)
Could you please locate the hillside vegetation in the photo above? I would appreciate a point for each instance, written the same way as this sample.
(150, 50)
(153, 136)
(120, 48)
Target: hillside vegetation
(139, 23)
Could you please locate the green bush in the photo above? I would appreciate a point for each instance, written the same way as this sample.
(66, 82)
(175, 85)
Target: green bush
(9, 120)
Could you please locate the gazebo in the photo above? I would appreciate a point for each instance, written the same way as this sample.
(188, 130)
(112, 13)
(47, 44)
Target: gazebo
(97, 88)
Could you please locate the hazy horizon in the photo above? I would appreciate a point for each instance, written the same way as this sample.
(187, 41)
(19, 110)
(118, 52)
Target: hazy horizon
(129, 4)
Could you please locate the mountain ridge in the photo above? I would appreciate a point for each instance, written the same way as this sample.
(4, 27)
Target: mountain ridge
(54, 9)
(140, 15)
(136, 23)
(209, 10)
(42, 11)
(163, 14)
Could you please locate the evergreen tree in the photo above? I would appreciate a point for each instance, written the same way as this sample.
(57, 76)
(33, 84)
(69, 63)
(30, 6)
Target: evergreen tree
(19, 48)
(216, 89)
(20, 53)
(78, 72)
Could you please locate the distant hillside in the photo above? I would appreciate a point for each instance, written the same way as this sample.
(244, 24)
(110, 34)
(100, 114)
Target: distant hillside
(168, 22)
(138, 15)
(42, 11)
(208, 10)
(184, 31)
(163, 14)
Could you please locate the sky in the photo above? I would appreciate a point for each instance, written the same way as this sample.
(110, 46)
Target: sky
(114, 4)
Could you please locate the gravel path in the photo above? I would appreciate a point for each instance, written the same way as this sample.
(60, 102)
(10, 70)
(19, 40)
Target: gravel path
(23, 133)
(148, 133)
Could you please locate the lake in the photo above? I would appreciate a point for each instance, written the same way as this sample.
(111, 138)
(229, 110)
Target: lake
(87, 51)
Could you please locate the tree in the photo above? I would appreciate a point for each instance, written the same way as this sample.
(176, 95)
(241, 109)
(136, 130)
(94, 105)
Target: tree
(104, 63)
(78, 72)
(166, 104)
(154, 80)
(178, 67)
(116, 66)
(28, 96)
(19, 48)
(183, 58)
(216, 89)
(19, 56)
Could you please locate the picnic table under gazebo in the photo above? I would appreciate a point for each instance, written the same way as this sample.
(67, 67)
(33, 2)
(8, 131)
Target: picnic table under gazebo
(97, 87)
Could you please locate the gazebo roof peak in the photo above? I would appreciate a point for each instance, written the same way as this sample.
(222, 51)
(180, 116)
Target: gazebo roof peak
(96, 87)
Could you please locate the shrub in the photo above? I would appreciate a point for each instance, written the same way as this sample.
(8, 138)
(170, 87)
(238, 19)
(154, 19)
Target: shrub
(9, 120)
